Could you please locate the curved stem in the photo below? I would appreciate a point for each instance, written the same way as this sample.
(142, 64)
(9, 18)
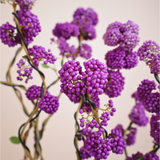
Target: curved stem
(124, 135)
(19, 97)
(37, 140)
(26, 50)
(76, 128)
(9, 83)
(37, 133)
(46, 120)
(17, 92)
(23, 105)
(10, 65)
(62, 61)
(53, 82)
(41, 74)
(95, 112)
(40, 153)
(157, 77)
(152, 151)
(28, 154)
(26, 151)
(26, 136)
(35, 110)
(126, 153)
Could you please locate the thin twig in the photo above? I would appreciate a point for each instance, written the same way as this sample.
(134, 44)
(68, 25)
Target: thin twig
(77, 128)
(124, 135)
(152, 151)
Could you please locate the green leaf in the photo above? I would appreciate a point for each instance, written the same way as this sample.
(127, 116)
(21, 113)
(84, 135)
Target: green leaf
(15, 140)
(54, 69)
(45, 66)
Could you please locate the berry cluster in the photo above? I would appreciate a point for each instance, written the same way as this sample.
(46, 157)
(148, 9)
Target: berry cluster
(119, 58)
(135, 96)
(33, 92)
(149, 100)
(115, 58)
(137, 115)
(87, 106)
(105, 116)
(29, 25)
(131, 60)
(25, 5)
(112, 35)
(115, 84)
(145, 97)
(97, 121)
(24, 71)
(85, 51)
(81, 27)
(49, 103)
(65, 49)
(131, 137)
(135, 156)
(145, 88)
(63, 45)
(117, 141)
(125, 35)
(152, 102)
(155, 127)
(95, 77)
(73, 52)
(119, 127)
(88, 15)
(89, 32)
(151, 156)
(147, 156)
(65, 30)
(95, 145)
(75, 82)
(38, 53)
(8, 35)
(72, 85)
(129, 35)
(86, 20)
(149, 52)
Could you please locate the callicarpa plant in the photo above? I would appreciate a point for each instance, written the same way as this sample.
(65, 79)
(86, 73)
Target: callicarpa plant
(84, 83)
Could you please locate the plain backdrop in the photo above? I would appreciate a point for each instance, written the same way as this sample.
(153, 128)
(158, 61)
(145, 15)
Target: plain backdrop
(57, 141)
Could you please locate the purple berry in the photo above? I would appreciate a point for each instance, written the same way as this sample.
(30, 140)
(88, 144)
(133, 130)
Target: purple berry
(155, 128)
(49, 103)
(149, 52)
(65, 30)
(138, 116)
(115, 84)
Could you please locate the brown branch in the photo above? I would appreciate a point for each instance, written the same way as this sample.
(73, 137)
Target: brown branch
(124, 135)
(152, 151)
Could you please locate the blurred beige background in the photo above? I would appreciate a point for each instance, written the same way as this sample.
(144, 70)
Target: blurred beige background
(57, 142)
